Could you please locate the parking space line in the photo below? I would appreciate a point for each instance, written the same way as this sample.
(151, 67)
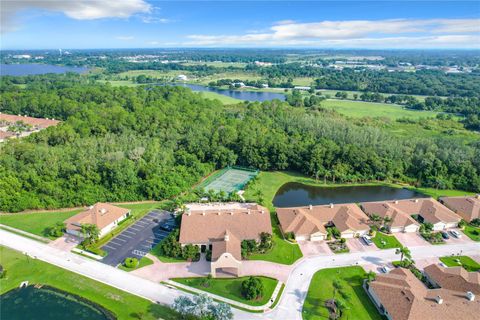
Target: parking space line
(117, 244)
(133, 227)
(142, 223)
(118, 238)
(130, 232)
(107, 246)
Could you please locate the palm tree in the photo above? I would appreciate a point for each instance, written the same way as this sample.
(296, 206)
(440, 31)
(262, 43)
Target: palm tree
(90, 232)
(371, 276)
(386, 221)
(375, 218)
(404, 252)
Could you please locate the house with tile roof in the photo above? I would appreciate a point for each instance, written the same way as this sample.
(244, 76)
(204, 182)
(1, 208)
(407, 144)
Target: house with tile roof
(311, 223)
(400, 220)
(467, 207)
(104, 215)
(427, 210)
(399, 295)
(222, 228)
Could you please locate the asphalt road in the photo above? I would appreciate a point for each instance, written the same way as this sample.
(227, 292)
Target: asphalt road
(138, 239)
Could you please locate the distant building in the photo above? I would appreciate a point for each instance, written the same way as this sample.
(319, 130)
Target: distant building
(263, 64)
(28, 124)
(400, 220)
(222, 228)
(238, 84)
(22, 56)
(302, 88)
(182, 77)
(311, 223)
(264, 85)
(466, 207)
(399, 295)
(105, 216)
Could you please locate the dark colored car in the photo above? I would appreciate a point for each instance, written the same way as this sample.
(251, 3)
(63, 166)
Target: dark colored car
(445, 235)
(167, 227)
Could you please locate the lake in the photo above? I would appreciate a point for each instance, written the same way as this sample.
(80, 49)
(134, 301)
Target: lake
(294, 194)
(27, 69)
(48, 303)
(237, 94)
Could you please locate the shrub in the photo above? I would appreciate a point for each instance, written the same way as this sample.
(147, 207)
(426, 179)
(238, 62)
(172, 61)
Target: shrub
(475, 222)
(190, 252)
(248, 247)
(343, 240)
(252, 288)
(131, 262)
(462, 224)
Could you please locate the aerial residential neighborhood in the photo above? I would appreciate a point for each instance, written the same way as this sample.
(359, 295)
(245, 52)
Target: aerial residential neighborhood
(239, 160)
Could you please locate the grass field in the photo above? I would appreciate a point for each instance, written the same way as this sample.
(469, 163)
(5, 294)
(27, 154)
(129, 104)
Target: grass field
(472, 232)
(321, 289)
(231, 288)
(466, 262)
(120, 83)
(36, 223)
(142, 263)
(360, 109)
(223, 99)
(122, 304)
(389, 240)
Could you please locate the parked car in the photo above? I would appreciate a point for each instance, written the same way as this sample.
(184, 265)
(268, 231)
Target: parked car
(456, 234)
(167, 227)
(445, 235)
(155, 220)
(367, 240)
(385, 269)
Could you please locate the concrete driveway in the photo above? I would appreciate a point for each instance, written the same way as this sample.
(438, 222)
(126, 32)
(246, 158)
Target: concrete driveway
(265, 268)
(463, 239)
(66, 242)
(314, 248)
(411, 239)
(357, 245)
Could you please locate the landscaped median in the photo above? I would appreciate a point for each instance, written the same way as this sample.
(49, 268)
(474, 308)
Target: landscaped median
(385, 241)
(464, 261)
(230, 290)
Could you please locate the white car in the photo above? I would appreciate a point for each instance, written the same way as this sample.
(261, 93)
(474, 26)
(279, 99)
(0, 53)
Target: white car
(385, 269)
(456, 234)
(367, 240)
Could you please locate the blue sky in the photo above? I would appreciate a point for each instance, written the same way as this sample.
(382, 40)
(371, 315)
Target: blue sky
(39, 24)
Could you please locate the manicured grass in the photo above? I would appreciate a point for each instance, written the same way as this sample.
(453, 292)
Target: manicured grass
(282, 252)
(120, 83)
(360, 109)
(36, 223)
(466, 262)
(321, 289)
(472, 232)
(142, 263)
(124, 305)
(222, 98)
(436, 193)
(231, 288)
(389, 240)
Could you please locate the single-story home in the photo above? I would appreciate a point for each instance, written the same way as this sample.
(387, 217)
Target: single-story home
(400, 221)
(310, 223)
(399, 295)
(427, 210)
(104, 215)
(222, 227)
(467, 207)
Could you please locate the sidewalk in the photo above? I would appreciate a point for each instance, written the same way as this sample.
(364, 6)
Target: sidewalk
(263, 308)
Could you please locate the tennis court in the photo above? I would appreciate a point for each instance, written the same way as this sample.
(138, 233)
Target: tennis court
(230, 180)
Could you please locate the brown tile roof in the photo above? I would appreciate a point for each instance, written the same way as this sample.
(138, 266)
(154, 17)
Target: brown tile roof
(230, 243)
(466, 207)
(406, 298)
(36, 122)
(100, 214)
(384, 209)
(456, 278)
(312, 219)
(209, 224)
(430, 209)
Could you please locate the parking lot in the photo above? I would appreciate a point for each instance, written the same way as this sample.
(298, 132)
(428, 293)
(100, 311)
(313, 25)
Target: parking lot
(138, 239)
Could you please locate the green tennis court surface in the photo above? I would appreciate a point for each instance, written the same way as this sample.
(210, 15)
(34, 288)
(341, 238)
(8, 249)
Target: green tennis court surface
(230, 180)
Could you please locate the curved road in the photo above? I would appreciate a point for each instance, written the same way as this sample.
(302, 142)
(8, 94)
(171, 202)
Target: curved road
(290, 305)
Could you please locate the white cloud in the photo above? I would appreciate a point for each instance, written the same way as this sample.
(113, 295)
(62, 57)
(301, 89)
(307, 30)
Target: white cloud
(75, 9)
(398, 33)
(125, 38)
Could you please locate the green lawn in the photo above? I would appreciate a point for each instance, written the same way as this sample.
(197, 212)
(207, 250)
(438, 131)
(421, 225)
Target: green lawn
(231, 288)
(436, 193)
(472, 232)
(124, 305)
(389, 240)
(360, 109)
(321, 289)
(142, 263)
(223, 99)
(466, 262)
(36, 223)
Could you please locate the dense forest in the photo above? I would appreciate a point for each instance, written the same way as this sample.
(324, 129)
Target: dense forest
(124, 143)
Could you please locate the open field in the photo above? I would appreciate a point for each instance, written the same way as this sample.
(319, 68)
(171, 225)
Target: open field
(119, 83)
(36, 223)
(466, 262)
(223, 99)
(216, 64)
(361, 109)
(231, 288)
(389, 240)
(122, 304)
(321, 289)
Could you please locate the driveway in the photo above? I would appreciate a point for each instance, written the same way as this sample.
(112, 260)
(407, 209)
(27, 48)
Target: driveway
(314, 248)
(357, 245)
(411, 239)
(463, 239)
(138, 239)
(66, 242)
